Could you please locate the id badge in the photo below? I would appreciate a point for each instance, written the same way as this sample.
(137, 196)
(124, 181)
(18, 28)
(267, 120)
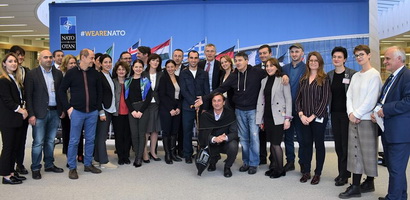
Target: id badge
(346, 81)
(319, 120)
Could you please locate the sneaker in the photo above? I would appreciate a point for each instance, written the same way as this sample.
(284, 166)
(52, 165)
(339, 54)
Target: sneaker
(108, 165)
(72, 174)
(92, 169)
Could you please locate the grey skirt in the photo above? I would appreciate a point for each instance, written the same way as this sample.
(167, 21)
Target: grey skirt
(153, 123)
(362, 148)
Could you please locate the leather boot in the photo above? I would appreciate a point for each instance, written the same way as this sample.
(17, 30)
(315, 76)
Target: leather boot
(166, 142)
(174, 154)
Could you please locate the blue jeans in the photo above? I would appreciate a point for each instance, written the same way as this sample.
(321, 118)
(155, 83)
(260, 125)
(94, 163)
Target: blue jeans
(294, 129)
(44, 133)
(78, 119)
(188, 118)
(248, 136)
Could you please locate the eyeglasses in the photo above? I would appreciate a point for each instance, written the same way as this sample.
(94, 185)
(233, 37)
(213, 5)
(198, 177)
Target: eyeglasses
(313, 61)
(360, 55)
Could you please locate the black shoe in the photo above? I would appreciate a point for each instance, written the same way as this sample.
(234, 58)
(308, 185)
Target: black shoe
(382, 198)
(341, 181)
(137, 163)
(54, 169)
(36, 174)
(227, 172)
(11, 181)
(290, 166)
(146, 161)
(92, 169)
(21, 169)
(153, 158)
(367, 186)
(338, 177)
(127, 161)
(252, 170)
(244, 168)
(211, 168)
(269, 172)
(19, 177)
(121, 162)
(351, 191)
(188, 160)
(277, 174)
(305, 177)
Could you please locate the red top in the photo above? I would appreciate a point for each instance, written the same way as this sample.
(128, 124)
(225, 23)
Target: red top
(123, 106)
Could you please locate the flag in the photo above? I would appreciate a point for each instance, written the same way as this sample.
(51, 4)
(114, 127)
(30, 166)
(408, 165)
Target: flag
(162, 50)
(252, 58)
(133, 50)
(228, 52)
(200, 47)
(280, 59)
(109, 51)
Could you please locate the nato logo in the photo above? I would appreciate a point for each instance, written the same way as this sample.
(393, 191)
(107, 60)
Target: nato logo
(68, 25)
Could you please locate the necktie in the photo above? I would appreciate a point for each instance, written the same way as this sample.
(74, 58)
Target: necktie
(386, 87)
(208, 67)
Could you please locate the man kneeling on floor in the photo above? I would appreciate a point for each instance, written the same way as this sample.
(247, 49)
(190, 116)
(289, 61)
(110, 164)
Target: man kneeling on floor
(218, 129)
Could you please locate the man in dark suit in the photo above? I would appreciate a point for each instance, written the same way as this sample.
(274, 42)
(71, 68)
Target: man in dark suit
(58, 58)
(395, 110)
(44, 112)
(20, 168)
(211, 66)
(178, 57)
(264, 52)
(219, 130)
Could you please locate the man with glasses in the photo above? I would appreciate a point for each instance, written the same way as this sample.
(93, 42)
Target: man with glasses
(126, 57)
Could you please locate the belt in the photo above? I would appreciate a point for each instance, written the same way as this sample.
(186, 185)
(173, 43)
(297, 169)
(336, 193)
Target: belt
(52, 108)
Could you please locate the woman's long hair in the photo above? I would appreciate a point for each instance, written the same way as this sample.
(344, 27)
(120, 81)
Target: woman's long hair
(321, 75)
(18, 76)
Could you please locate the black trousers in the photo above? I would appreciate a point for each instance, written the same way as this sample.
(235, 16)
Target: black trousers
(262, 146)
(121, 126)
(340, 130)
(22, 143)
(10, 148)
(230, 149)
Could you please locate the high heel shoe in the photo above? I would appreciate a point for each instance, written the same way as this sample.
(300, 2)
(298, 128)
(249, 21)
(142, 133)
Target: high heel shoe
(153, 158)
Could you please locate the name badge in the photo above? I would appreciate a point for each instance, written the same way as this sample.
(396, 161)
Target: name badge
(346, 81)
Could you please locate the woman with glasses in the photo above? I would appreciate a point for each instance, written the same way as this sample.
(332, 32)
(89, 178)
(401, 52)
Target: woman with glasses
(311, 106)
(362, 97)
(12, 115)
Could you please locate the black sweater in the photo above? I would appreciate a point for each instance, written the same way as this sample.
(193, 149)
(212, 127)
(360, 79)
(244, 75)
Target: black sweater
(74, 80)
(245, 87)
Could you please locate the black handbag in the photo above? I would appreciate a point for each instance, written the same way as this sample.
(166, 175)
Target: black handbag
(202, 160)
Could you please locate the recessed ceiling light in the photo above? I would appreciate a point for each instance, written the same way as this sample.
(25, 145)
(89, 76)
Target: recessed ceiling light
(4, 25)
(6, 17)
(17, 31)
(34, 35)
(3, 4)
(402, 38)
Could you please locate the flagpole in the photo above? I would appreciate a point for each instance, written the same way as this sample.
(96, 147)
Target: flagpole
(113, 48)
(238, 44)
(277, 51)
(170, 45)
(139, 41)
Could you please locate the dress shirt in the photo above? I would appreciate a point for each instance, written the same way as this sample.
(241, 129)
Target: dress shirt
(48, 78)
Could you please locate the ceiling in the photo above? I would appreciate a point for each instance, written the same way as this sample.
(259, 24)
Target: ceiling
(26, 23)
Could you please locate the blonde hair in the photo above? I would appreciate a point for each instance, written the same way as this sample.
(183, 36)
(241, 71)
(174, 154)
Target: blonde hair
(66, 60)
(18, 76)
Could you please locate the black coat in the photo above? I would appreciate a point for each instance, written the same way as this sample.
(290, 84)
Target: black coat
(9, 102)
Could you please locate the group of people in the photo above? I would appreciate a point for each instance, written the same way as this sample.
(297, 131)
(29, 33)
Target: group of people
(247, 105)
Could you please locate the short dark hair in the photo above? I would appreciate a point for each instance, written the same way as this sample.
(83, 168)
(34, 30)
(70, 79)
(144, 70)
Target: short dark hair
(265, 46)
(193, 51)
(242, 54)
(179, 50)
(124, 52)
(340, 49)
(97, 55)
(104, 56)
(133, 63)
(362, 47)
(144, 50)
(56, 51)
(218, 94)
(15, 49)
(166, 63)
(153, 57)
(122, 64)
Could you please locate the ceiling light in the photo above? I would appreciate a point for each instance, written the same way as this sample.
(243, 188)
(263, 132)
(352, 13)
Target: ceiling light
(4, 25)
(4, 4)
(402, 38)
(6, 17)
(34, 35)
(17, 31)
(391, 41)
(406, 35)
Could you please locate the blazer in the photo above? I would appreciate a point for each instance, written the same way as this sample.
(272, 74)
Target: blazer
(9, 102)
(281, 101)
(166, 93)
(37, 94)
(106, 91)
(192, 87)
(348, 74)
(396, 109)
(216, 72)
(155, 90)
(117, 95)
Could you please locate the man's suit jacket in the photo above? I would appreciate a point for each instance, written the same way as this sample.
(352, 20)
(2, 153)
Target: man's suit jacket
(216, 73)
(107, 93)
(281, 101)
(396, 109)
(37, 94)
(191, 87)
(9, 102)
